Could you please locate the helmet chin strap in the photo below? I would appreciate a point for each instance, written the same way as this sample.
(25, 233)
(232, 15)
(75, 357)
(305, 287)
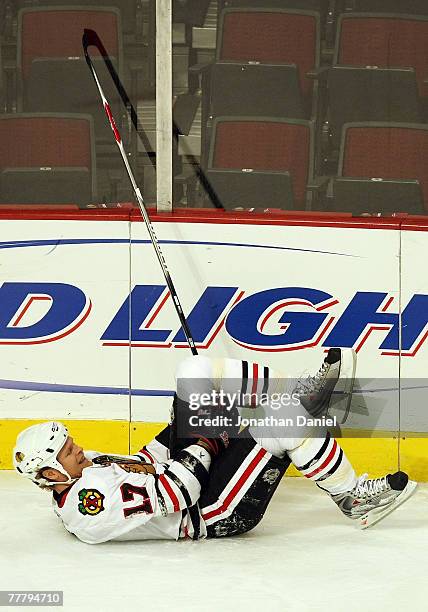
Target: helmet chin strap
(69, 480)
(63, 471)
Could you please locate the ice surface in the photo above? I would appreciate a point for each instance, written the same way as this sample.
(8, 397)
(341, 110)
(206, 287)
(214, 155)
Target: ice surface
(305, 555)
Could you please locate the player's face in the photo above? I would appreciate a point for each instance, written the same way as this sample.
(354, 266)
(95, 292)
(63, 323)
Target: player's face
(72, 459)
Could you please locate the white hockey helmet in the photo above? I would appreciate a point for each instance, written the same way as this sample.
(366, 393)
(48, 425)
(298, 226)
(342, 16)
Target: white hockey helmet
(37, 447)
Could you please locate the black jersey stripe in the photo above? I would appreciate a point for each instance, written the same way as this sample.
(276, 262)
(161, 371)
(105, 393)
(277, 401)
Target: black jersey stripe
(265, 380)
(318, 455)
(191, 509)
(195, 517)
(244, 384)
(161, 499)
(183, 490)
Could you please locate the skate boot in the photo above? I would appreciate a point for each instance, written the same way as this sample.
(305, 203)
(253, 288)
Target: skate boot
(337, 374)
(371, 500)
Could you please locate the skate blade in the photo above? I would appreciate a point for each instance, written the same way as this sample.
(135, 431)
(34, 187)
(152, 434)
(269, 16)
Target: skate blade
(373, 517)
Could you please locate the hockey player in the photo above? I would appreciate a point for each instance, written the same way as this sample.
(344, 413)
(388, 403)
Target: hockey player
(205, 487)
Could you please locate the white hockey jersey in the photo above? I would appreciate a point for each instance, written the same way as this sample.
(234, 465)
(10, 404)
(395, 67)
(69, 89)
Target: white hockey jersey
(109, 502)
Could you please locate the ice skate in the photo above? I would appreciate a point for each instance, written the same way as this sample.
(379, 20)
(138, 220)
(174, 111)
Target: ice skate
(371, 500)
(337, 374)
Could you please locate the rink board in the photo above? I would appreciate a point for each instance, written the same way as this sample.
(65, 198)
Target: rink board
(89, 335)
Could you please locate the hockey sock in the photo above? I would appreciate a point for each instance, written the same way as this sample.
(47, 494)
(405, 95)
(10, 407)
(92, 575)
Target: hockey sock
(324, 462)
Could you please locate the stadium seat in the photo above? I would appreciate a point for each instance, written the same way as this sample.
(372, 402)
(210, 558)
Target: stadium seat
(394, 152)
(385, 41)
(276, 36)
(52, 72)
(47, 158)
(253, 147)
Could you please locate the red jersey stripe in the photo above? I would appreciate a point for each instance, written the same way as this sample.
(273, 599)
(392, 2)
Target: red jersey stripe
(170, 492)
(145, 452)
(228, 499)
(326, 462)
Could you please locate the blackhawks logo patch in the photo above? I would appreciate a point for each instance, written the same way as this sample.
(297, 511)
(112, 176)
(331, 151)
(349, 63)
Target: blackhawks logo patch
(91, 502)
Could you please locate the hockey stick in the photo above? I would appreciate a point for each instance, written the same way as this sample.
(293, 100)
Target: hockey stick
(93, 39)
(90, 38)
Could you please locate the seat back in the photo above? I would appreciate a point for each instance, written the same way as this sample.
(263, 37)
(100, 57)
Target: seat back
(127, 8)
(386, 150)
(384, 40)
(271, 36)
(321, 6)
(267, 144)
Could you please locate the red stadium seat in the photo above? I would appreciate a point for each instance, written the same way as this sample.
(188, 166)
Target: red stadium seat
(47, 158)
(386, 41)
(271, 36)
(265, 145)
(386, 151)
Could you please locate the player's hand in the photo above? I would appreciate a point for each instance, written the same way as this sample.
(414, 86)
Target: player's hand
(214, 445)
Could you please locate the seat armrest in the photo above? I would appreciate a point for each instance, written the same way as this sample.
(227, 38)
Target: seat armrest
(185, 179)
(318, 74)
(318, 183)
(199, 68)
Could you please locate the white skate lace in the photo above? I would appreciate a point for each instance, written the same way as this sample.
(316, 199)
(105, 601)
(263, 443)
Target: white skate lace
(312, 384)
(366, 487)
